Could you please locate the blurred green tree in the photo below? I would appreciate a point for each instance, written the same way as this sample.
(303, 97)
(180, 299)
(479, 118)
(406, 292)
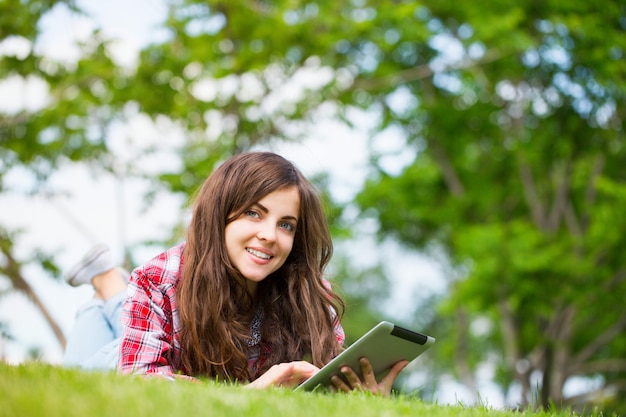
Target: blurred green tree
(516, 171)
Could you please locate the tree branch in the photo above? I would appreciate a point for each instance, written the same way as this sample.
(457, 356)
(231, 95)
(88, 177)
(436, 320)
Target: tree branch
(12, 270)
(560, 326)
(447, 169)
(530, 194)
(600, 341)
(604, 365)
(590, 194)
(573, 225)
(600, 394)
(617, 279)
(460, 357)
(512, 352)
(421, 72)
(561, 197)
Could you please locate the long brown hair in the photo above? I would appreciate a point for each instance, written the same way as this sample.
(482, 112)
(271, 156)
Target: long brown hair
(215, 310)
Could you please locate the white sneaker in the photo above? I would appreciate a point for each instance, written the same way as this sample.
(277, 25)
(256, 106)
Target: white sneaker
(96, 261)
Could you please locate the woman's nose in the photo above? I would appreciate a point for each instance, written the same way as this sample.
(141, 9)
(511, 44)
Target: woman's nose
(267, 231)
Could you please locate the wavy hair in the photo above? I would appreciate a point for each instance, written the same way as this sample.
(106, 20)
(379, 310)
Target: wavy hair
(215, 310)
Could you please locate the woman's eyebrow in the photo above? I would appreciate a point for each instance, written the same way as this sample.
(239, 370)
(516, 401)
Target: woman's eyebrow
(265, 210)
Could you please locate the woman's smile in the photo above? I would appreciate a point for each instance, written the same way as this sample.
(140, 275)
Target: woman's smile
(260, 254)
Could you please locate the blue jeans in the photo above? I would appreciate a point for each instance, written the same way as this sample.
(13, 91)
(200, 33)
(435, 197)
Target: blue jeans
(94, 341)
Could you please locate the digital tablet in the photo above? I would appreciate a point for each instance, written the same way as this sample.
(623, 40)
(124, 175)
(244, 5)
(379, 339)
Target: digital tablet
(384, 345)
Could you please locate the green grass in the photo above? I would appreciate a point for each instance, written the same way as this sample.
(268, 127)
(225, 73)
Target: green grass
(44, 390)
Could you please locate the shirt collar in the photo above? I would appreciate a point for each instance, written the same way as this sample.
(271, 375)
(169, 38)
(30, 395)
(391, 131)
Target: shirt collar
(255, 328)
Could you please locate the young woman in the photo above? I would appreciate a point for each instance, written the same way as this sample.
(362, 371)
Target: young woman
(244, 298)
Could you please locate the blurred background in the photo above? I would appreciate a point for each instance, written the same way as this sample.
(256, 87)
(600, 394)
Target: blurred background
(471, 157)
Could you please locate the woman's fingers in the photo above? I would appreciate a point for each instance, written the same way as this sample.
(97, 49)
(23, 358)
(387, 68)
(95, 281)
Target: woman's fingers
(369, 382)
(368, 375)
(293, 373)
(353, 379)
(339, 384)
(285, 374)
(386, 383)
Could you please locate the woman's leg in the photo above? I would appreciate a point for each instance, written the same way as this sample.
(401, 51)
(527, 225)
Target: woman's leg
(98, 327)
(112, 310)
(106, 354)
(91, 332)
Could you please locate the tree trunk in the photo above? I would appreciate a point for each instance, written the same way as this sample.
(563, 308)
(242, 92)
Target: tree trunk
(462, 367)
(12, 269)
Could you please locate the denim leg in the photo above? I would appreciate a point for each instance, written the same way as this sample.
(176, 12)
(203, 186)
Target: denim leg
(112, 310)
(93, 342)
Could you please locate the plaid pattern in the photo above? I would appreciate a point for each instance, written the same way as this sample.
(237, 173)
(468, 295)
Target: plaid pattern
(151, 338)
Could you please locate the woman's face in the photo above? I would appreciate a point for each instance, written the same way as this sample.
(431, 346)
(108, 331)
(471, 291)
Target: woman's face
(259, 241)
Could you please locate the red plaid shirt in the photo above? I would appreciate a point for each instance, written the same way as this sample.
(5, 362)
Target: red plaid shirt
(151, 339)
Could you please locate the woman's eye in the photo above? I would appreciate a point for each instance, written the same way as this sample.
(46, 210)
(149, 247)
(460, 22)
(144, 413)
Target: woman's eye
(287, 226)
(251, 213)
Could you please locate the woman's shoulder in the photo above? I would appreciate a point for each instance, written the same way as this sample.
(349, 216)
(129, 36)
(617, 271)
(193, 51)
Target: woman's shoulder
(164, 268)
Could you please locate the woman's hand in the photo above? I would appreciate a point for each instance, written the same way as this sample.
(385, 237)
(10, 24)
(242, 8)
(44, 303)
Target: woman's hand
(382, 388)
(289, 374)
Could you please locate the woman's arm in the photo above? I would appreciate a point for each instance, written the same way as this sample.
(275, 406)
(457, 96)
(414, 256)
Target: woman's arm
(147, 345)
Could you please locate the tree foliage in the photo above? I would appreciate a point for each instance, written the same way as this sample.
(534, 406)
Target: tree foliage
(511, 118)
(518, 175)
